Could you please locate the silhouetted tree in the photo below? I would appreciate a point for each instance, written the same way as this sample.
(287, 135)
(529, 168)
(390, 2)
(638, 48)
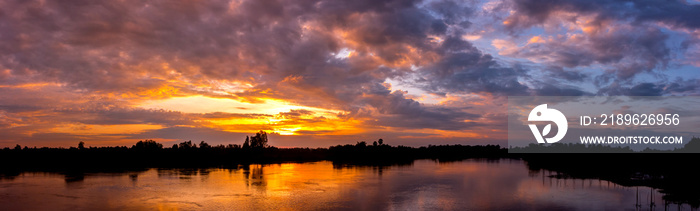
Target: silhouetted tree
(692, 146)
(361, 144)
(259, 140)
(174, 146)
(246, 144)
(374, 144)
(186, 145)
(81, 145)
(18, 147)
(148, 145)
(204, 145)
(381, 142)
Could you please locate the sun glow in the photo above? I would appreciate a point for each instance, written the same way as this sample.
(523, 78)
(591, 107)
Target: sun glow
(204, 104)
(273, 115)
(85, 129)
(286, 131)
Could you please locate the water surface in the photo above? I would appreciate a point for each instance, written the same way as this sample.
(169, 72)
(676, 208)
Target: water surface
(424, 185)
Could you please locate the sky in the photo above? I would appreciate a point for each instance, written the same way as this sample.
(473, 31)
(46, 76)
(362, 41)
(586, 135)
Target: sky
(316, 73)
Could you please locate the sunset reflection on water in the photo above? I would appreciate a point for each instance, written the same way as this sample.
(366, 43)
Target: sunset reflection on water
(425, 184)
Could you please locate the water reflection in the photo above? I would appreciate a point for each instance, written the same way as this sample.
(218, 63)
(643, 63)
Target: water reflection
(423, 184)
(72, 178)
(254, 176)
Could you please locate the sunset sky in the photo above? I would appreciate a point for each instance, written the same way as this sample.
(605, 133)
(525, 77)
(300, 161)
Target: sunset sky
(322, 73)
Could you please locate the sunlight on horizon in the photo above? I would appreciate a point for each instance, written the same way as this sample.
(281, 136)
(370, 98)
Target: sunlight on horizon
(278, 116)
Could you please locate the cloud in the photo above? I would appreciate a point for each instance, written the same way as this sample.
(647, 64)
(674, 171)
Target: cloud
(679, 87)
(678, 13)
(88, 64)
(551, 90)
(622, 53)
(622, 38)
(568, 75)
(464, 69)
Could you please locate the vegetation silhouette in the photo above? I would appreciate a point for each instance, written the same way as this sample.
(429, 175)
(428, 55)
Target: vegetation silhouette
(669, 172)
(672, 173)
(255, 149)
(693, 146)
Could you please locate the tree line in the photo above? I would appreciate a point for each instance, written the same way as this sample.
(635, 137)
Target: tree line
(258, 141)
(254, 149)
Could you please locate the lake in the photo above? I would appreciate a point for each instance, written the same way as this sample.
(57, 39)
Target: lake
(424, 185)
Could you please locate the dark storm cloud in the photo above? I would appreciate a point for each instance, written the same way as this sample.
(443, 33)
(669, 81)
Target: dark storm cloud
(558, 72)
(687, 87)
(463, 68)
(623, 53)
(678, 87)
(622, 35)
(678, 13)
